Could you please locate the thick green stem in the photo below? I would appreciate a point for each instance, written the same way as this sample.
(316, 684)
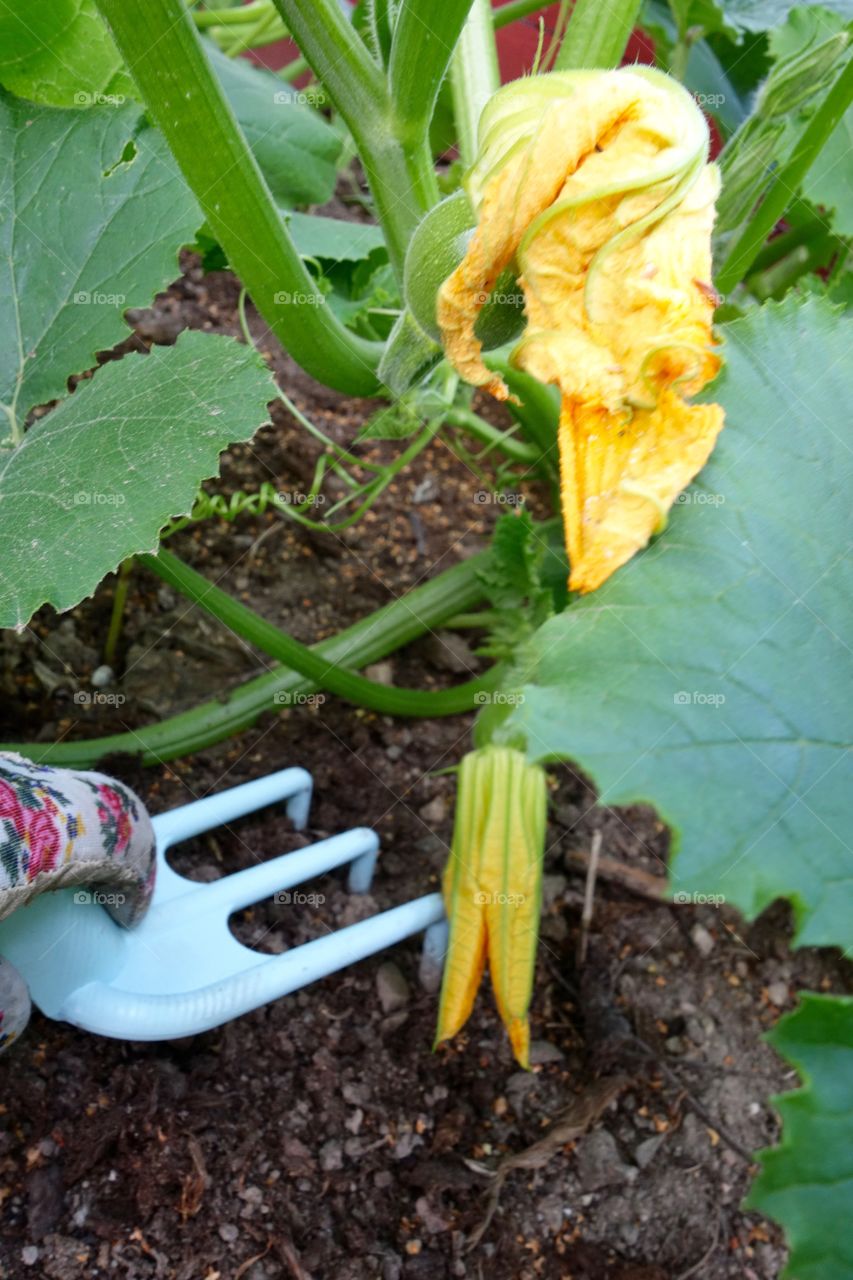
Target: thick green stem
(162, 50)
(425, 35)
(597, 34)
(373, 638)
(402, 181)
(325, 674)
(332, 46)
(787, 184)
(474, 77)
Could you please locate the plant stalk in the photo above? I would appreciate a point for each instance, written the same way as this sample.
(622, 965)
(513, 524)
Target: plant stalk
(325, 674)
(161, 47)
(401, 179)
(597, 34)
(420, 55)
(474, 77)
(372, 638)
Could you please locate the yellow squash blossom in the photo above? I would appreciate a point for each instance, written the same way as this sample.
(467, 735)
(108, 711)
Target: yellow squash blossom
(594, 186)
(493, 888)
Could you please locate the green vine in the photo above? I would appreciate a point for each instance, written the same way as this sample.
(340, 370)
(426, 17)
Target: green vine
(325, 674)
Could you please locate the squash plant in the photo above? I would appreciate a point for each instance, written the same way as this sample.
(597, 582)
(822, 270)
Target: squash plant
(684, 643)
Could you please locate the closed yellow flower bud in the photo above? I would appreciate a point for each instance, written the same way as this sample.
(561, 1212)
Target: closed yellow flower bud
(493, 888)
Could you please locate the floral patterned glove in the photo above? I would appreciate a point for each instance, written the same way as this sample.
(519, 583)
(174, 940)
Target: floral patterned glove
(60, 828)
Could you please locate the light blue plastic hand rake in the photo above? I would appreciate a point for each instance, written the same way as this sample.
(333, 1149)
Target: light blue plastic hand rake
(181, 970)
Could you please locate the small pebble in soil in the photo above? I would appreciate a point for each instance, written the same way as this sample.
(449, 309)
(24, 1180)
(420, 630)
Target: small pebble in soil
(432, 848)
(646, 1151)
(555, 929)
(542, 1051)
(599, 1162)
(433, 1221)
(702, 940)
(391, 987)
(426, 490)
(550, 1212)
(448, 651)
(405, 1145)
(553, 889)
(228, 1232)
(778, 994)
(700, 1027)
(29, 1255)
(331, 1156)
(354, 1121)
(435, 811)
(102, 676)
(381, 672)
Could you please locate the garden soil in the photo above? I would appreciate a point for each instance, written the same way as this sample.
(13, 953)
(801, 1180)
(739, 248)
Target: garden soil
(321, 1136)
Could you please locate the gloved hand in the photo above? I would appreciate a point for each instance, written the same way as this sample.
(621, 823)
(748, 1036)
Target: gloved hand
(61, 828)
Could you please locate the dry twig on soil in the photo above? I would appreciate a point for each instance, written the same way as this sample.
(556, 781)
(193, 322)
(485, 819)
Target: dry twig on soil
(568, 1125)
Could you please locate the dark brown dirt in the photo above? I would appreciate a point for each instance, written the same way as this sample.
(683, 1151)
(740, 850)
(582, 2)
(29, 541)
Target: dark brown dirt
(320, 1136)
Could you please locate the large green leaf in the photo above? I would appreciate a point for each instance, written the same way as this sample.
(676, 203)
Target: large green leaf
(807, 1181)
(709, 675)
(95, 480)
(294, 146)
(92, 214)
(764, 15)
(59, 53)
(332, 239)
(730, 17)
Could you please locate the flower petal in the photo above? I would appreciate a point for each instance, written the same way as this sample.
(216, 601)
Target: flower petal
(619, 478)
(525, 186)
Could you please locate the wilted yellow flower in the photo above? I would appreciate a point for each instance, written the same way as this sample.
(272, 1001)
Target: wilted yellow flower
(594, 186)
(492, 890)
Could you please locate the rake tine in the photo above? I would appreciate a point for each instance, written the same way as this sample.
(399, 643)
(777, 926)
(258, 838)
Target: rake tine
(243, 888)
(190, 819)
